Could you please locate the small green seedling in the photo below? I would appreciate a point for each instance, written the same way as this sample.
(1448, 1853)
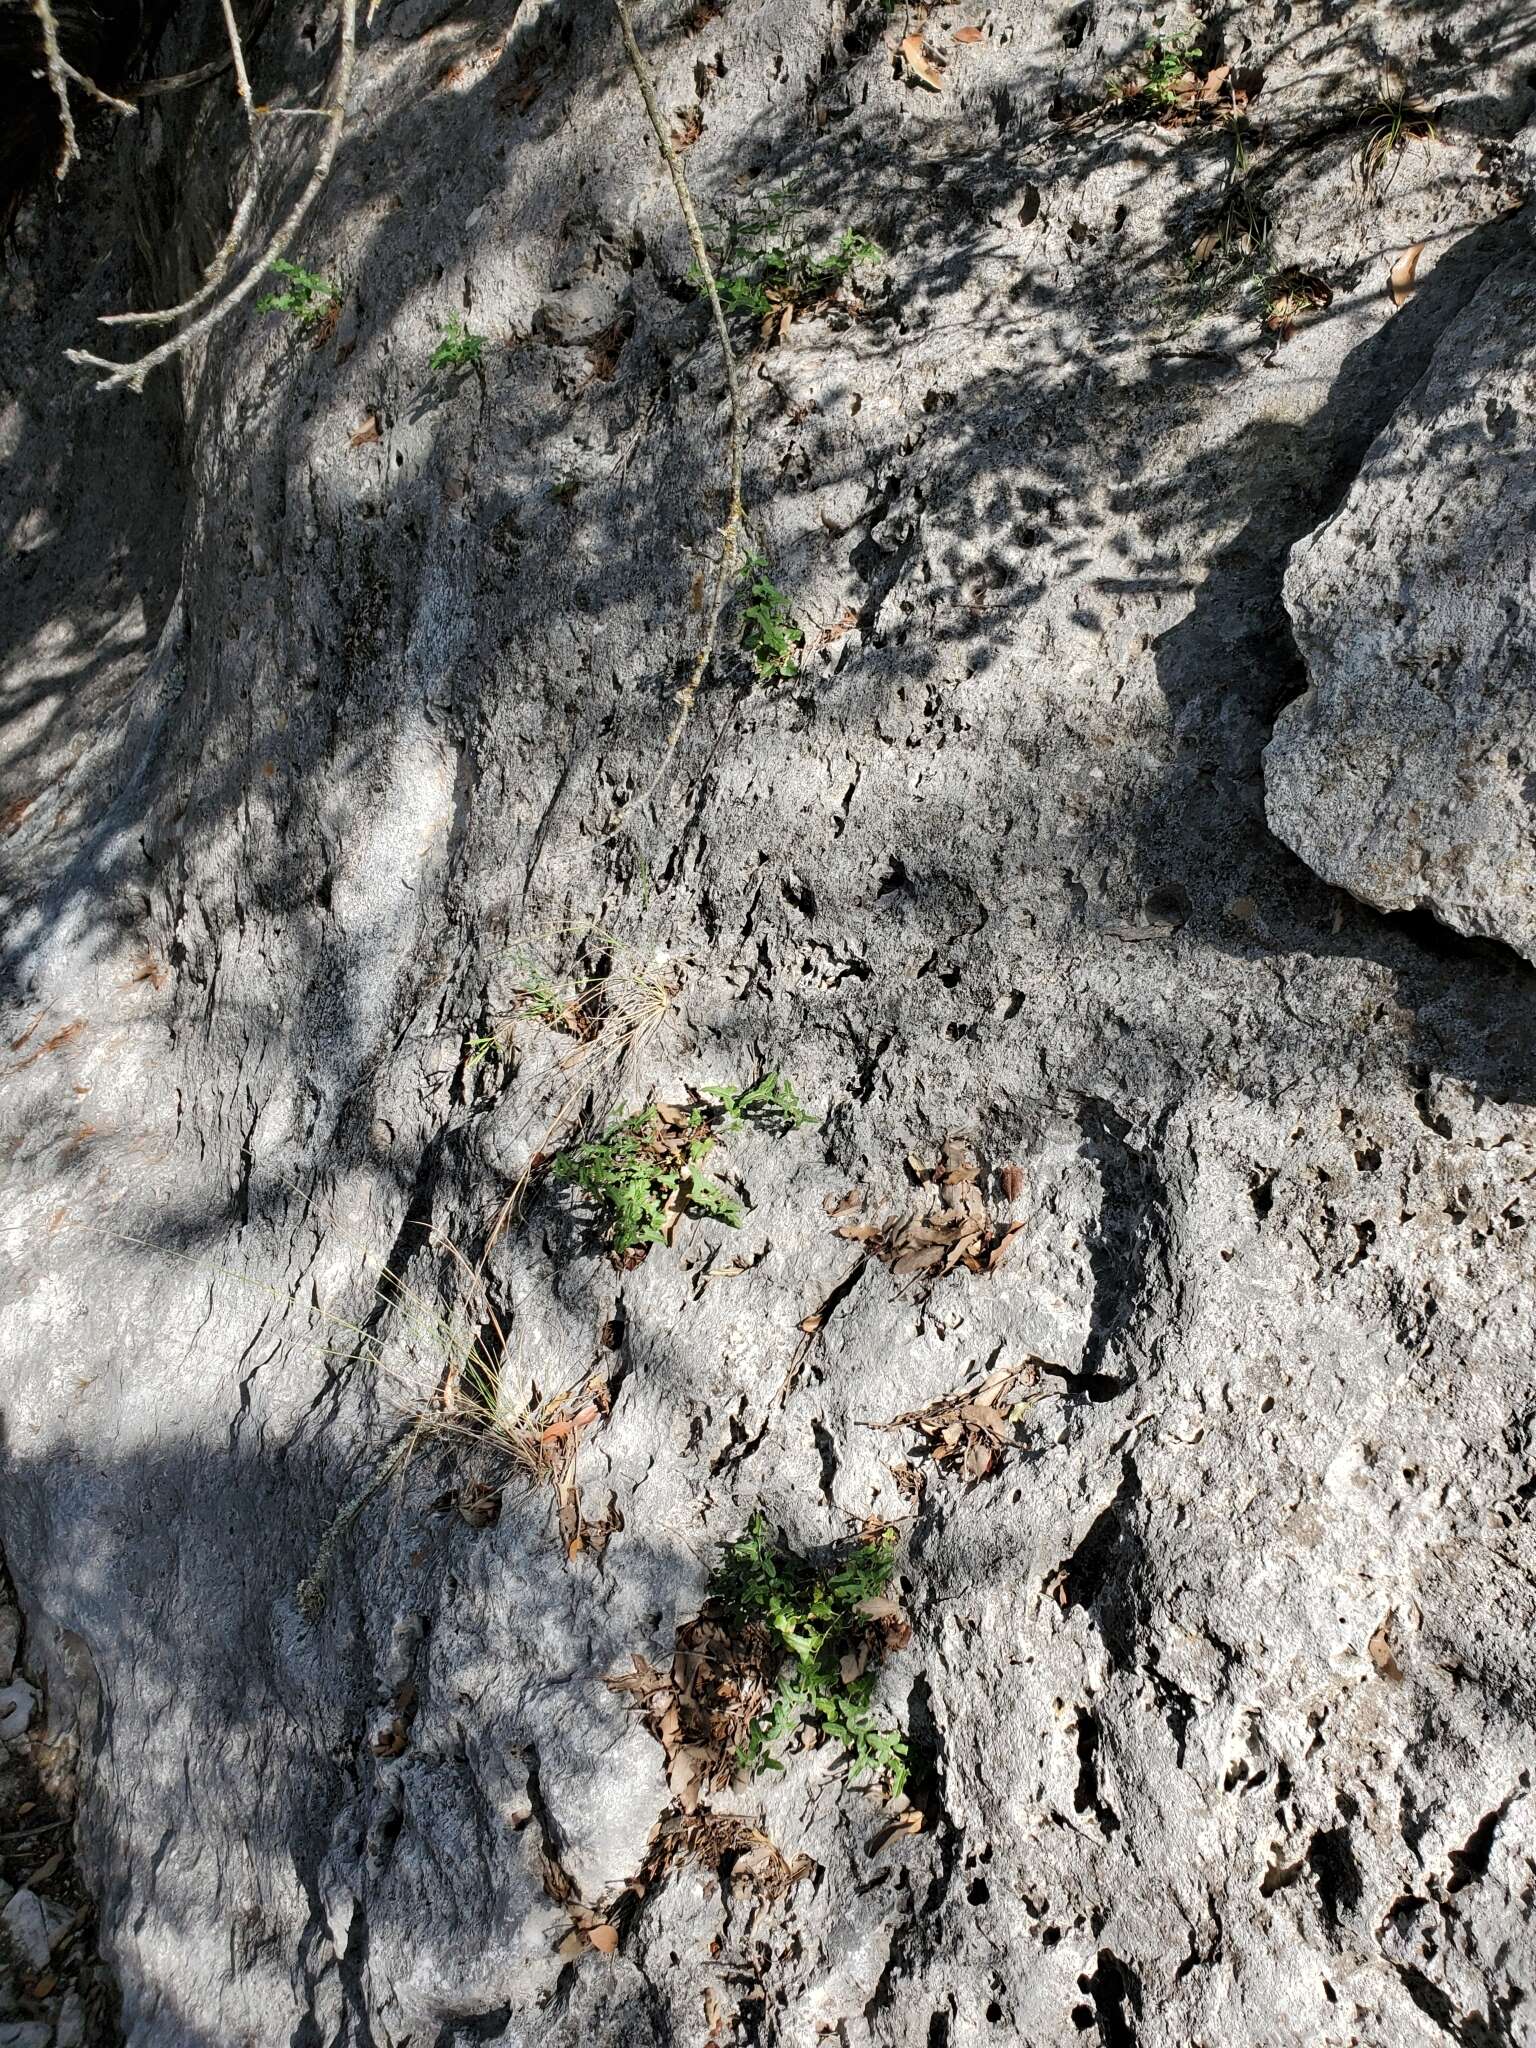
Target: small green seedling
(765, 269)
(479, 1048)
(308, 299)
(768, 632)
(771, 1101)
(1167, 63)
(823, 1637)
(458, 349)
(645, 1171)
(1164, 64)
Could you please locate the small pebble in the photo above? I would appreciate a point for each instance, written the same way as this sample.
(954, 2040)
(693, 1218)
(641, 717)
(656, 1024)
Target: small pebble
(17, 1702)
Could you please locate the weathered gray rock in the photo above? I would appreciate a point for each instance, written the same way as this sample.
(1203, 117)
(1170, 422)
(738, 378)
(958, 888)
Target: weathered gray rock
(27, 2034)
(26, 1928)
(1407, 772)
(1219, 1689)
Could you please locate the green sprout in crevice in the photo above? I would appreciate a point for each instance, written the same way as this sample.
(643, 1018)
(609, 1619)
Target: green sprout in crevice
(306, 299)
(1393, 120)
(646, 1170)
(767, 269)
(772, 640)
(458, 349)
(822, 1631)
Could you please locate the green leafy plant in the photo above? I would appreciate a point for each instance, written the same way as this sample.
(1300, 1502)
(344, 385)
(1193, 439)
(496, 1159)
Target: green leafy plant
(1164, 63)
(1167, 63)
(766, 269)
(772, 1100)
(458, 349)
(768, 631)
(308, 299)
(825, 1627)
(644, 1171)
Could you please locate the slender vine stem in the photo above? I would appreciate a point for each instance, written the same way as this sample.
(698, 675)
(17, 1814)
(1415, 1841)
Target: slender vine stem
(730, 532)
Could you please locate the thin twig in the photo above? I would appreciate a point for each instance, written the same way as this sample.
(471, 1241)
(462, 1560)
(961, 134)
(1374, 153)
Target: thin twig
(69, 148)
(730, 531)
(179, 80)
(89, 85)
(311, 1589)
(133, 374)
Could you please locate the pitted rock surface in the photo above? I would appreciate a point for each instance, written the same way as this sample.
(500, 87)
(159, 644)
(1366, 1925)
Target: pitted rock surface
(1219, 1692)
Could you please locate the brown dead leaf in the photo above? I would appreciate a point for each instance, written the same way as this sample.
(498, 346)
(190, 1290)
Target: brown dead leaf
(389, 1739)
(969, 35)
(479, 1504)
(568, 1423)
(1012, 1179)
(604, 1937)
(972, 1428)
(928, 1243)
(368, 431)
(923, 64)
(1400, 276)
(604, 351)
(999, 1251)
(908, 1823)
(845, 622)
(1379, 1650)
(48, 1045)
(519, 94)
(879, 1608)
(688, 126)
(148, 969)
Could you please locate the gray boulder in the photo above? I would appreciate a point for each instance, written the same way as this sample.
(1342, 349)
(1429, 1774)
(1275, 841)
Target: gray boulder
(1218, 1692)
(1407, 772)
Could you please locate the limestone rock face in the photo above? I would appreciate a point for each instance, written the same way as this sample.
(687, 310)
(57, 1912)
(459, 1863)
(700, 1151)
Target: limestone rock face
(1219, 1692)
(1407, 772)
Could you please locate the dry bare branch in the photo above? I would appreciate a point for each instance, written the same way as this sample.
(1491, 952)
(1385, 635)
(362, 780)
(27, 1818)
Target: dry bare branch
(89, 85)
(133, 374)
(237, 57)
(53, 57)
